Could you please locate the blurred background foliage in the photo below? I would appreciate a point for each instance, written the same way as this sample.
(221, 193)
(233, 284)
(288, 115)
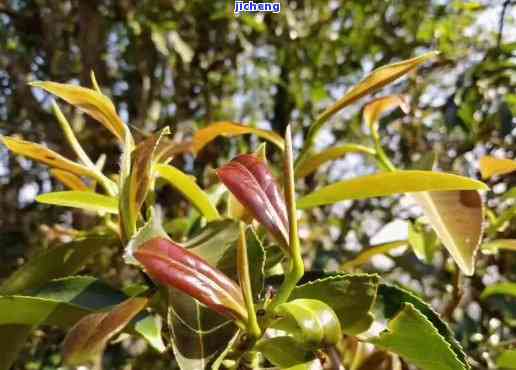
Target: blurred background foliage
(186, 63)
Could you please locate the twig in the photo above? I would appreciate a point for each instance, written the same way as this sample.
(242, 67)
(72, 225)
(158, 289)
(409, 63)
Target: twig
(501, 22)
(458, 293)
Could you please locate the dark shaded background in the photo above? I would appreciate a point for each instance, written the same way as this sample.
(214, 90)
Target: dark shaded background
(185, 63)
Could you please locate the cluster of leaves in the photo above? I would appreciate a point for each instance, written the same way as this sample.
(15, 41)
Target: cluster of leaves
(234, 292)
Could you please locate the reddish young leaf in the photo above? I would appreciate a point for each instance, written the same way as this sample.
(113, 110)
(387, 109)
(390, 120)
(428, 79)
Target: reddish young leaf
(175, 266)
(249, 179)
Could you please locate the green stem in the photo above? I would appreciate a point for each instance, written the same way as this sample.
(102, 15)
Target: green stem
(381, 156)
(245, 283)
(296, 266)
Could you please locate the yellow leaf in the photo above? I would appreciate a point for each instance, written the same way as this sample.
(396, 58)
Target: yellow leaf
(313, 163)
(388, 183)
(230, 129)
(70, 180)
(457, 218)
(374, 110)
(90, 102)
(86, 200)
(491, 166)
(44, 155)
(374, 81)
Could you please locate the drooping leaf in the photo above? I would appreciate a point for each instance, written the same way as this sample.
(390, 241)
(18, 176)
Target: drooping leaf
(457, 218)
(174, 266)
(491, 166)
(312, 323)
(70, 180)
(507, 359)
(494, 246)
(505, 288)
(350, 297)
(189, 188)
(44, 155)
(86, 341)
(230, 129)
(388, 183)
(374, 250)
(411, 335)
(393, 299)
(91, 102)
(311, 164)
(283, 352)
(251, 182)
(149, 327)
(374, 110)
(63, 260)
(86, 200)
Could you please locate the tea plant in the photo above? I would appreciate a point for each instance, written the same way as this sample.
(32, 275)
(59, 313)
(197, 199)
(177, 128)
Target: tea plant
(233, 291)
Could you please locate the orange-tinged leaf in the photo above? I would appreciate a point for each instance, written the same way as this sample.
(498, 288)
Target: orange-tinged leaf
(230, 129)
(311, 164)
(91, 102)
(457, 217)
(374, 110)
(70, 180)
(44, 155)
(168, 149)
(491, 166)
(86, 341)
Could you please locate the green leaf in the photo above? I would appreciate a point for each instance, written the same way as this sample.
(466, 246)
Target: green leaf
(256, 256)
(495, 245)
(230, 129)
(507, 359)
(311, 164)
(388, 183)
(62, 260)
(283, 352)
(85, 200)
(393, 299)
(424, 242)
(189, 188)
(412, 336)
(312, 323)
(350, 296)
(364, 256)
(149, 327)
(457, 218)
(505, 288)
(86, 341)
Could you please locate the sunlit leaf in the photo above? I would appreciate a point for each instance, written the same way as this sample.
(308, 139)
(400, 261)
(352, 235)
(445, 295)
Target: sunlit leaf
(505, 288)
(388, 183)
(97, 105)
(85, 200)
(44, 155)
(168, 149)
(457, 217)
(491, 166)
(150, 328)
(174, 266)
(350, 296)
(374, 110)
(85, 342)
(187, 186)
(366, 255)
(507, 359)
(70, 180)
(311, 164)
(249, 179)
(411, 335)
(494, 246)
(230, 129)
(312, 323)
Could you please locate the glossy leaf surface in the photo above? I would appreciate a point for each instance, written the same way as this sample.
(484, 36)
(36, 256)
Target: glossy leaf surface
(457, 217)
(374, 110)
(251, 182)
(411, 335)
(283, 352)
(388, 183)
(91, 102)
(187, 186)
(311, 164)
(85, 200)
(86, 341)
(312, 323)
(491, 166)
(174, 266)
(351, 297)
(44, 155)
(229, 129)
